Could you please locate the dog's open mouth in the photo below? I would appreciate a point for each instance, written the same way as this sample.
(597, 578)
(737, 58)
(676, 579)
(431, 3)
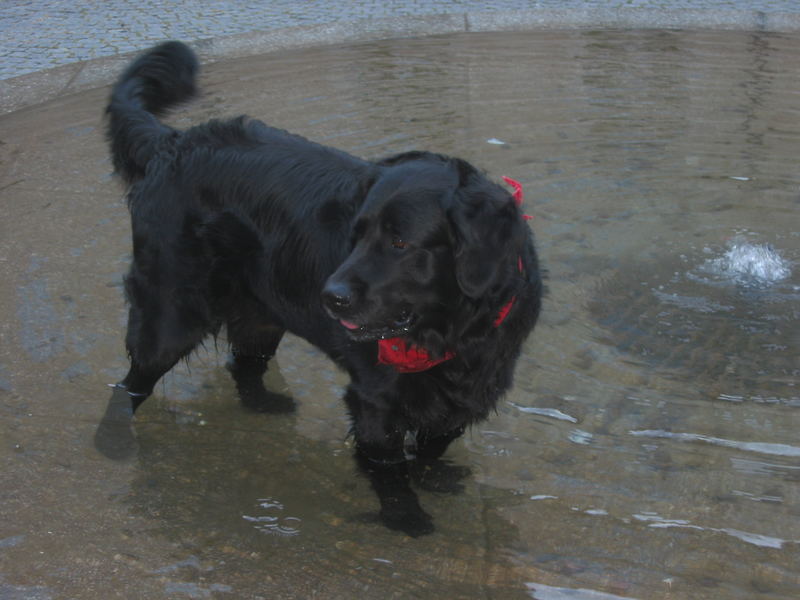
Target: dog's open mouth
(401, 325)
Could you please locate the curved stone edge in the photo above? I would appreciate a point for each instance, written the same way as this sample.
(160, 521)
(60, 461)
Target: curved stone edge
(36, 88)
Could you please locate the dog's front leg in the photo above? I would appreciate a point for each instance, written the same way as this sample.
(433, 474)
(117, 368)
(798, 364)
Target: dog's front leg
(400, 508)
(431, 445)
(380, 456)
(431, 473)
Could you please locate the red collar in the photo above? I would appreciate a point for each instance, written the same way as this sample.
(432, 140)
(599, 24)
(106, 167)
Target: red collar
(405, 358)
(413, 359)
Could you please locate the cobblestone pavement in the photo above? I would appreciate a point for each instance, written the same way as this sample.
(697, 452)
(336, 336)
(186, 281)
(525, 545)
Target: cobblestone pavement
(39, 34)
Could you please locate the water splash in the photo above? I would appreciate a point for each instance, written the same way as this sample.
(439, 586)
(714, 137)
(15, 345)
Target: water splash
(751, 265)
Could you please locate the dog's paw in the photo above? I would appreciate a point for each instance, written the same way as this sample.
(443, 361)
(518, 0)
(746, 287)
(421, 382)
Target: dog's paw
(254, 396)
(406, 516)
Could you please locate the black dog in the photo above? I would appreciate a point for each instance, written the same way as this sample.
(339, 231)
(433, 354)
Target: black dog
(414, 273)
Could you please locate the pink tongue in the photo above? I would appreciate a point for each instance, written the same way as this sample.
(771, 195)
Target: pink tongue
(348, 324)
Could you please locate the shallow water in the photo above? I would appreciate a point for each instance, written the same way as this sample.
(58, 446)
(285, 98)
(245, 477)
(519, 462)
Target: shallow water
(650, 446)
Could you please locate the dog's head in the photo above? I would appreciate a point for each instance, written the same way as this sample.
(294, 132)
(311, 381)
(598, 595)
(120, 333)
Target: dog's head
(431, 233)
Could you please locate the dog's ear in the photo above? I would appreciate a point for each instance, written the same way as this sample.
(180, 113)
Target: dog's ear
(486, 227)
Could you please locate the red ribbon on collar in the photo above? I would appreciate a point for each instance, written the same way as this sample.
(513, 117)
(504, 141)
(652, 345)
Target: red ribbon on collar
(406, 358)
(517, 195)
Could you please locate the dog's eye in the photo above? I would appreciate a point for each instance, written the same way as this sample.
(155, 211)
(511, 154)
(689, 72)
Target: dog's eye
(398, 243)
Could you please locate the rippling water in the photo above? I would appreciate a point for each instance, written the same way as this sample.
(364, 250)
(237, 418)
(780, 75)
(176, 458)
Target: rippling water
(650, 446)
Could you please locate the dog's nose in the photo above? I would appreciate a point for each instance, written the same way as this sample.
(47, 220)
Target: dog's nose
(337, 296)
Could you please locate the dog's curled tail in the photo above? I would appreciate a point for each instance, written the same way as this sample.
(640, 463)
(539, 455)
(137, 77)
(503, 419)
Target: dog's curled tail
(161, 78)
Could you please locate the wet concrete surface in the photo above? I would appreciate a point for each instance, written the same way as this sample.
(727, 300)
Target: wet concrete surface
(649, 448)
(49, 49)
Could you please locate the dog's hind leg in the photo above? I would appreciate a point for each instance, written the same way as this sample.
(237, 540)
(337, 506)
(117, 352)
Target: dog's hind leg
(158, 337)
(141, 379)
(114, 436)
(250, 356)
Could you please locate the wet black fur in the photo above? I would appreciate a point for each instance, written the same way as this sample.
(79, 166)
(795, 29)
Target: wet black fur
(241, 225)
